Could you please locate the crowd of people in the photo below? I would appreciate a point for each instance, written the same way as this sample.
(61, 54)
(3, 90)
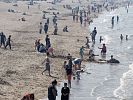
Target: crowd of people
(72, 66)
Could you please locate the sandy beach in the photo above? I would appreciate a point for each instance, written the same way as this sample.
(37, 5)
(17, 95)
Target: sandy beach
(20, 68)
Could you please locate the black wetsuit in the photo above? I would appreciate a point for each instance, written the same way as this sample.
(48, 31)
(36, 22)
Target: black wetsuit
(113, 61)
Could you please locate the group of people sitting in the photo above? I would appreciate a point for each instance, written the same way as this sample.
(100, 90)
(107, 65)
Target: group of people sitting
(40, 47)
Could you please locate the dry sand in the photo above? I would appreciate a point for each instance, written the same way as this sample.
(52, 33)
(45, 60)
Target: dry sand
(20, 68)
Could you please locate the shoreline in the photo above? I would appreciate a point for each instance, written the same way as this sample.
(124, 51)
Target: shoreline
(23, 68)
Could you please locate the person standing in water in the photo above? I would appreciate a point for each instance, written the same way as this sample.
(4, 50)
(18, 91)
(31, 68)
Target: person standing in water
(104, 50)
(65, 91)
(93, 34)
(101, 39)
(112, 21)
(117, 19)
(121, 37)
(126, 37)
(127, 10)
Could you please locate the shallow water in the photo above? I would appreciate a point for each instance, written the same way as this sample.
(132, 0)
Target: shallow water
(121, 50)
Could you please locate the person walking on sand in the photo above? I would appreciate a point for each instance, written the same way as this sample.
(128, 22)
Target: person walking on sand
(65, 91)
(47, 65)
(47, 40)
(46, 28)
(55, 29)
(48, 21)
(104, 50)
(93, 34)
(52, 91)
(81, 52)
(8, 42)
(2, 39)
(41, 27)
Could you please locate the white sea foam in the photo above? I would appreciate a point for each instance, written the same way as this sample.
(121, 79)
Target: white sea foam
(125, 91)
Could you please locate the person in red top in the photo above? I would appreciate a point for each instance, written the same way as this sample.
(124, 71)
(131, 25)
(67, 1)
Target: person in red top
(104, 50)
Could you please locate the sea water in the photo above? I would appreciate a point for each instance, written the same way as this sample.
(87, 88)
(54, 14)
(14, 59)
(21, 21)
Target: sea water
(118, 82)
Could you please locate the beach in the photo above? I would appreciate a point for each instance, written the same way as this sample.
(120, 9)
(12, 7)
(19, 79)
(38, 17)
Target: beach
(21, 67)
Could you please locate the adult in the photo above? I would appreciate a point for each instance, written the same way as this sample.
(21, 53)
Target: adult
(65, 91)
(52, 91)
(112, 21)
(48, 21)
(87, 42)
(103, 49)
(101, 39)
(112, 60)
(93, 34)
(69, 71)
(47, 40)
(126, 37)
(46, 28)
(117, 19)
(55, 29)
(77, 63)
(8, 42)
(41, 27)
(81, 52)
(47, 65)
(2, 39)
(81, 20)
(69, 75)
(121, 37)
(37, 43)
